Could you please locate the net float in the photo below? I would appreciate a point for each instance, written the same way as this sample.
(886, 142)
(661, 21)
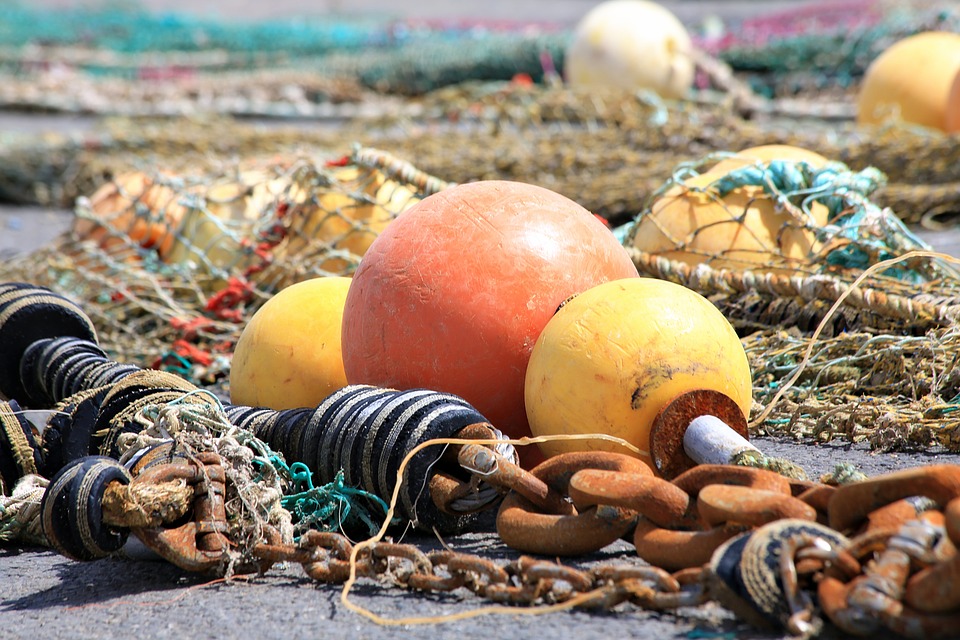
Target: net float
(454, 293)
(738, 227)
(288, 354)
(915, 81)
(630, 45)
(640, 359)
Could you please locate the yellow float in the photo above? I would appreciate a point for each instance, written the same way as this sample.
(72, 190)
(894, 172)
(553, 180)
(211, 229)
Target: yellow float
(288, 356)
(214, 229)
(917, 81)
(630, 45)
(612, 357)
(743, 229)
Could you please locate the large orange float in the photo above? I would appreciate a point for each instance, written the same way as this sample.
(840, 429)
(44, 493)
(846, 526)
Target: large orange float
(454, 293)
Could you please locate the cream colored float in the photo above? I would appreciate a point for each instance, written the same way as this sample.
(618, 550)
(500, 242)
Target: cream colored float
(916, 81)
(614, 356)
(288, 355)
(743, 229)
(631, 45)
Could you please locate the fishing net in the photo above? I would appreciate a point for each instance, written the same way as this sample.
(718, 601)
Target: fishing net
(171, 266)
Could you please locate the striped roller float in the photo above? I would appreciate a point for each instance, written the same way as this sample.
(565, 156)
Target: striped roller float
(28, 314)
(366, 432)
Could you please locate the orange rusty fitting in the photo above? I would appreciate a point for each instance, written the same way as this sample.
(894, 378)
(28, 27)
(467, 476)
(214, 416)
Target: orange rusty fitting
(674, 550)
(521, 526)
(697, 427)
(851, 503)
(200, 544)
(895, 514)
(720, 504)
(656, 499)
(833, 596)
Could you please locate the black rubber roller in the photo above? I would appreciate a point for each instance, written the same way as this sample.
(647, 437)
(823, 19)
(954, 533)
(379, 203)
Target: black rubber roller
(69, 431)
(28, 314)
(54, 369)
(72, 509)
(19, 452)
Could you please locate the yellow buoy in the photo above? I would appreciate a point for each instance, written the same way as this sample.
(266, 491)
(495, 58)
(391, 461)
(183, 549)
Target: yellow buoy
(916, 80)
(288, 355)
(630, 45)
(743, 229)
(612, 357)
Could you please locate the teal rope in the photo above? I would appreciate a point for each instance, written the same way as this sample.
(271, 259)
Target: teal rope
(858, 233)
(330, 507)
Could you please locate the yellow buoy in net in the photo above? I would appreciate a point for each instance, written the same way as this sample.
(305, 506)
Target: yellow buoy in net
(288, 355)
(615, 355)
(219, 222)
(916, 80)
(743, 228)
(630, 45)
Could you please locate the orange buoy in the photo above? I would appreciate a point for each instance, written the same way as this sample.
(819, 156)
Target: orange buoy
(615, 355)
(916, 80)
(133, 208)
(288, 355)
(454, 293)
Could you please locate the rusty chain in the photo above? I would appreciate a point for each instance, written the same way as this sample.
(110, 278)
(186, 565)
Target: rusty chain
(896, 570)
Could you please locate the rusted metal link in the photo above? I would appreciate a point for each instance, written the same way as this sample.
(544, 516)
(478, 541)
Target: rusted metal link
(674, 550)
(522, 527)
(334, 562)
(720, 504)
(695, 479)
(657, 577)
(936, 589)
(656, 499)
(200, 544)
(477, 574)
(874, 598)
(498, 471)
(851, 503)
(455, 495)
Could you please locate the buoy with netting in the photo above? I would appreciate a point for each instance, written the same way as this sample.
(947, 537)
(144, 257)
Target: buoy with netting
(726, 217)
(454, 293)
